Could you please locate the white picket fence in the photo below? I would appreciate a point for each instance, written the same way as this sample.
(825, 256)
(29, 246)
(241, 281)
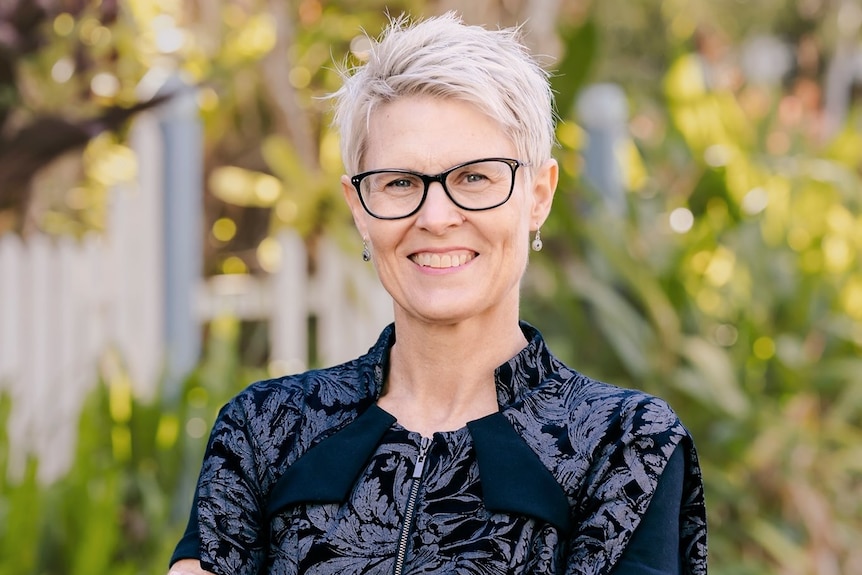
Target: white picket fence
(70, 309)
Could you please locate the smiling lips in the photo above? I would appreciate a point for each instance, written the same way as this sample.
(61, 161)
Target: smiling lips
(442, 261)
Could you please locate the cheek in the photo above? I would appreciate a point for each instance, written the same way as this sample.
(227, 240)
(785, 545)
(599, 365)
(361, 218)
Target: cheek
(384, 243)
(517, 243)
(522, 224)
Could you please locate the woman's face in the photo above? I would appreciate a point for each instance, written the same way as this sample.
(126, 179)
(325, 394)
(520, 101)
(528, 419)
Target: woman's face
(445, 264)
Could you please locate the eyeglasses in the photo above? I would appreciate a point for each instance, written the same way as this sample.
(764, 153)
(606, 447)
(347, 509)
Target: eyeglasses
(475, 186)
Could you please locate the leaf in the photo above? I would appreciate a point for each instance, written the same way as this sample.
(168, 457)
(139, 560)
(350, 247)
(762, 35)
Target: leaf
(581, 47)
(714, 375)
(638, 277)
(630, 336)
(282, 159)
(783, 549)
(246, 188)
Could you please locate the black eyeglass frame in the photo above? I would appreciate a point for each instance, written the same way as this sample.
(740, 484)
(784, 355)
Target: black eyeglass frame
(427, 180)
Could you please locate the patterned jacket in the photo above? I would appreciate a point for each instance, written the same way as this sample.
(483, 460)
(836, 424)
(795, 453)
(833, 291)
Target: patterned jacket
(305, 474)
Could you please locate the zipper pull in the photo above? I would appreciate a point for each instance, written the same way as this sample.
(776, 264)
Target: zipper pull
(424, 448)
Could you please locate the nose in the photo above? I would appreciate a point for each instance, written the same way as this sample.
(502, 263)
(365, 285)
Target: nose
(438, 212)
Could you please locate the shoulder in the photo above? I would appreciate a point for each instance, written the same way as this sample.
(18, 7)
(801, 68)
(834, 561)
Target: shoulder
(630, 415)
(273, 422)
(595, 411)
(555, 395)
(327, 389)
(565, 414)
(582, 428)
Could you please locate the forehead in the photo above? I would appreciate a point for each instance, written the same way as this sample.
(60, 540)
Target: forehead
(430, 134)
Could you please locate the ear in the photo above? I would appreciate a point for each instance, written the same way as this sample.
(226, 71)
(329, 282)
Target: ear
(543, 187)
(360, 217)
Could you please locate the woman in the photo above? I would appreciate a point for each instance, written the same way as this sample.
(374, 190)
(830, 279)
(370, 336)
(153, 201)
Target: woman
(458, 444)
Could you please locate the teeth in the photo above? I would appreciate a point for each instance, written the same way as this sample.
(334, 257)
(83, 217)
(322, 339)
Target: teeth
(441, 261)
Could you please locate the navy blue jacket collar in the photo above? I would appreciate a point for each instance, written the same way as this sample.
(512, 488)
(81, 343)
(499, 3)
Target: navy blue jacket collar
(513, 478)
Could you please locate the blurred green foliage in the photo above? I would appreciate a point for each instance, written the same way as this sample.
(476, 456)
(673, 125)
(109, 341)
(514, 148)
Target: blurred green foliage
(747, 316)
(123, 505)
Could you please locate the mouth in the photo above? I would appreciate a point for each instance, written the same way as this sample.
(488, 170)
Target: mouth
(442, 261)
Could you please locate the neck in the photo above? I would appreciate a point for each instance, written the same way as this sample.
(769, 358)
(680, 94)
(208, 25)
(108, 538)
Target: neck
(442, 376)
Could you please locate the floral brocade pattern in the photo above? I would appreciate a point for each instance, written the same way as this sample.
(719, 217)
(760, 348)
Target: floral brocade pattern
(605, 446)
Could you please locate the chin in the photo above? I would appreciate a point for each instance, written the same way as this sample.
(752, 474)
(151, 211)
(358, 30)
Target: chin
(444, 315)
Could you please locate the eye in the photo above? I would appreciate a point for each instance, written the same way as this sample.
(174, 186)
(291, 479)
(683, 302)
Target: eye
(471, 177)
(396, 183)
(402, 182)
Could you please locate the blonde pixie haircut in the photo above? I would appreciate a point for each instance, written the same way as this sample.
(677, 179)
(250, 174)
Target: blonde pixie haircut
(443, 57)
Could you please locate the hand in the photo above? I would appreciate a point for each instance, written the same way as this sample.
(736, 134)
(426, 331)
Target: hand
(188, 567)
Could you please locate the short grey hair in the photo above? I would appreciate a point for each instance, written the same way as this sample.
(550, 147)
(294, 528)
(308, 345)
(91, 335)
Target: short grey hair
(443, 57)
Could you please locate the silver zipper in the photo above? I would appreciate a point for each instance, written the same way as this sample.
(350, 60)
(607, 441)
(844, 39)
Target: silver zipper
(407, 526)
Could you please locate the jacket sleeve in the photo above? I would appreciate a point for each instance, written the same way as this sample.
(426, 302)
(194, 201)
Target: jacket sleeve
(189, 546)
(654, 547)
(637, 504)
(229, 501)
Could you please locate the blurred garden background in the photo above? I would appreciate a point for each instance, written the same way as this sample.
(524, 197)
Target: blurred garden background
(706, 246)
